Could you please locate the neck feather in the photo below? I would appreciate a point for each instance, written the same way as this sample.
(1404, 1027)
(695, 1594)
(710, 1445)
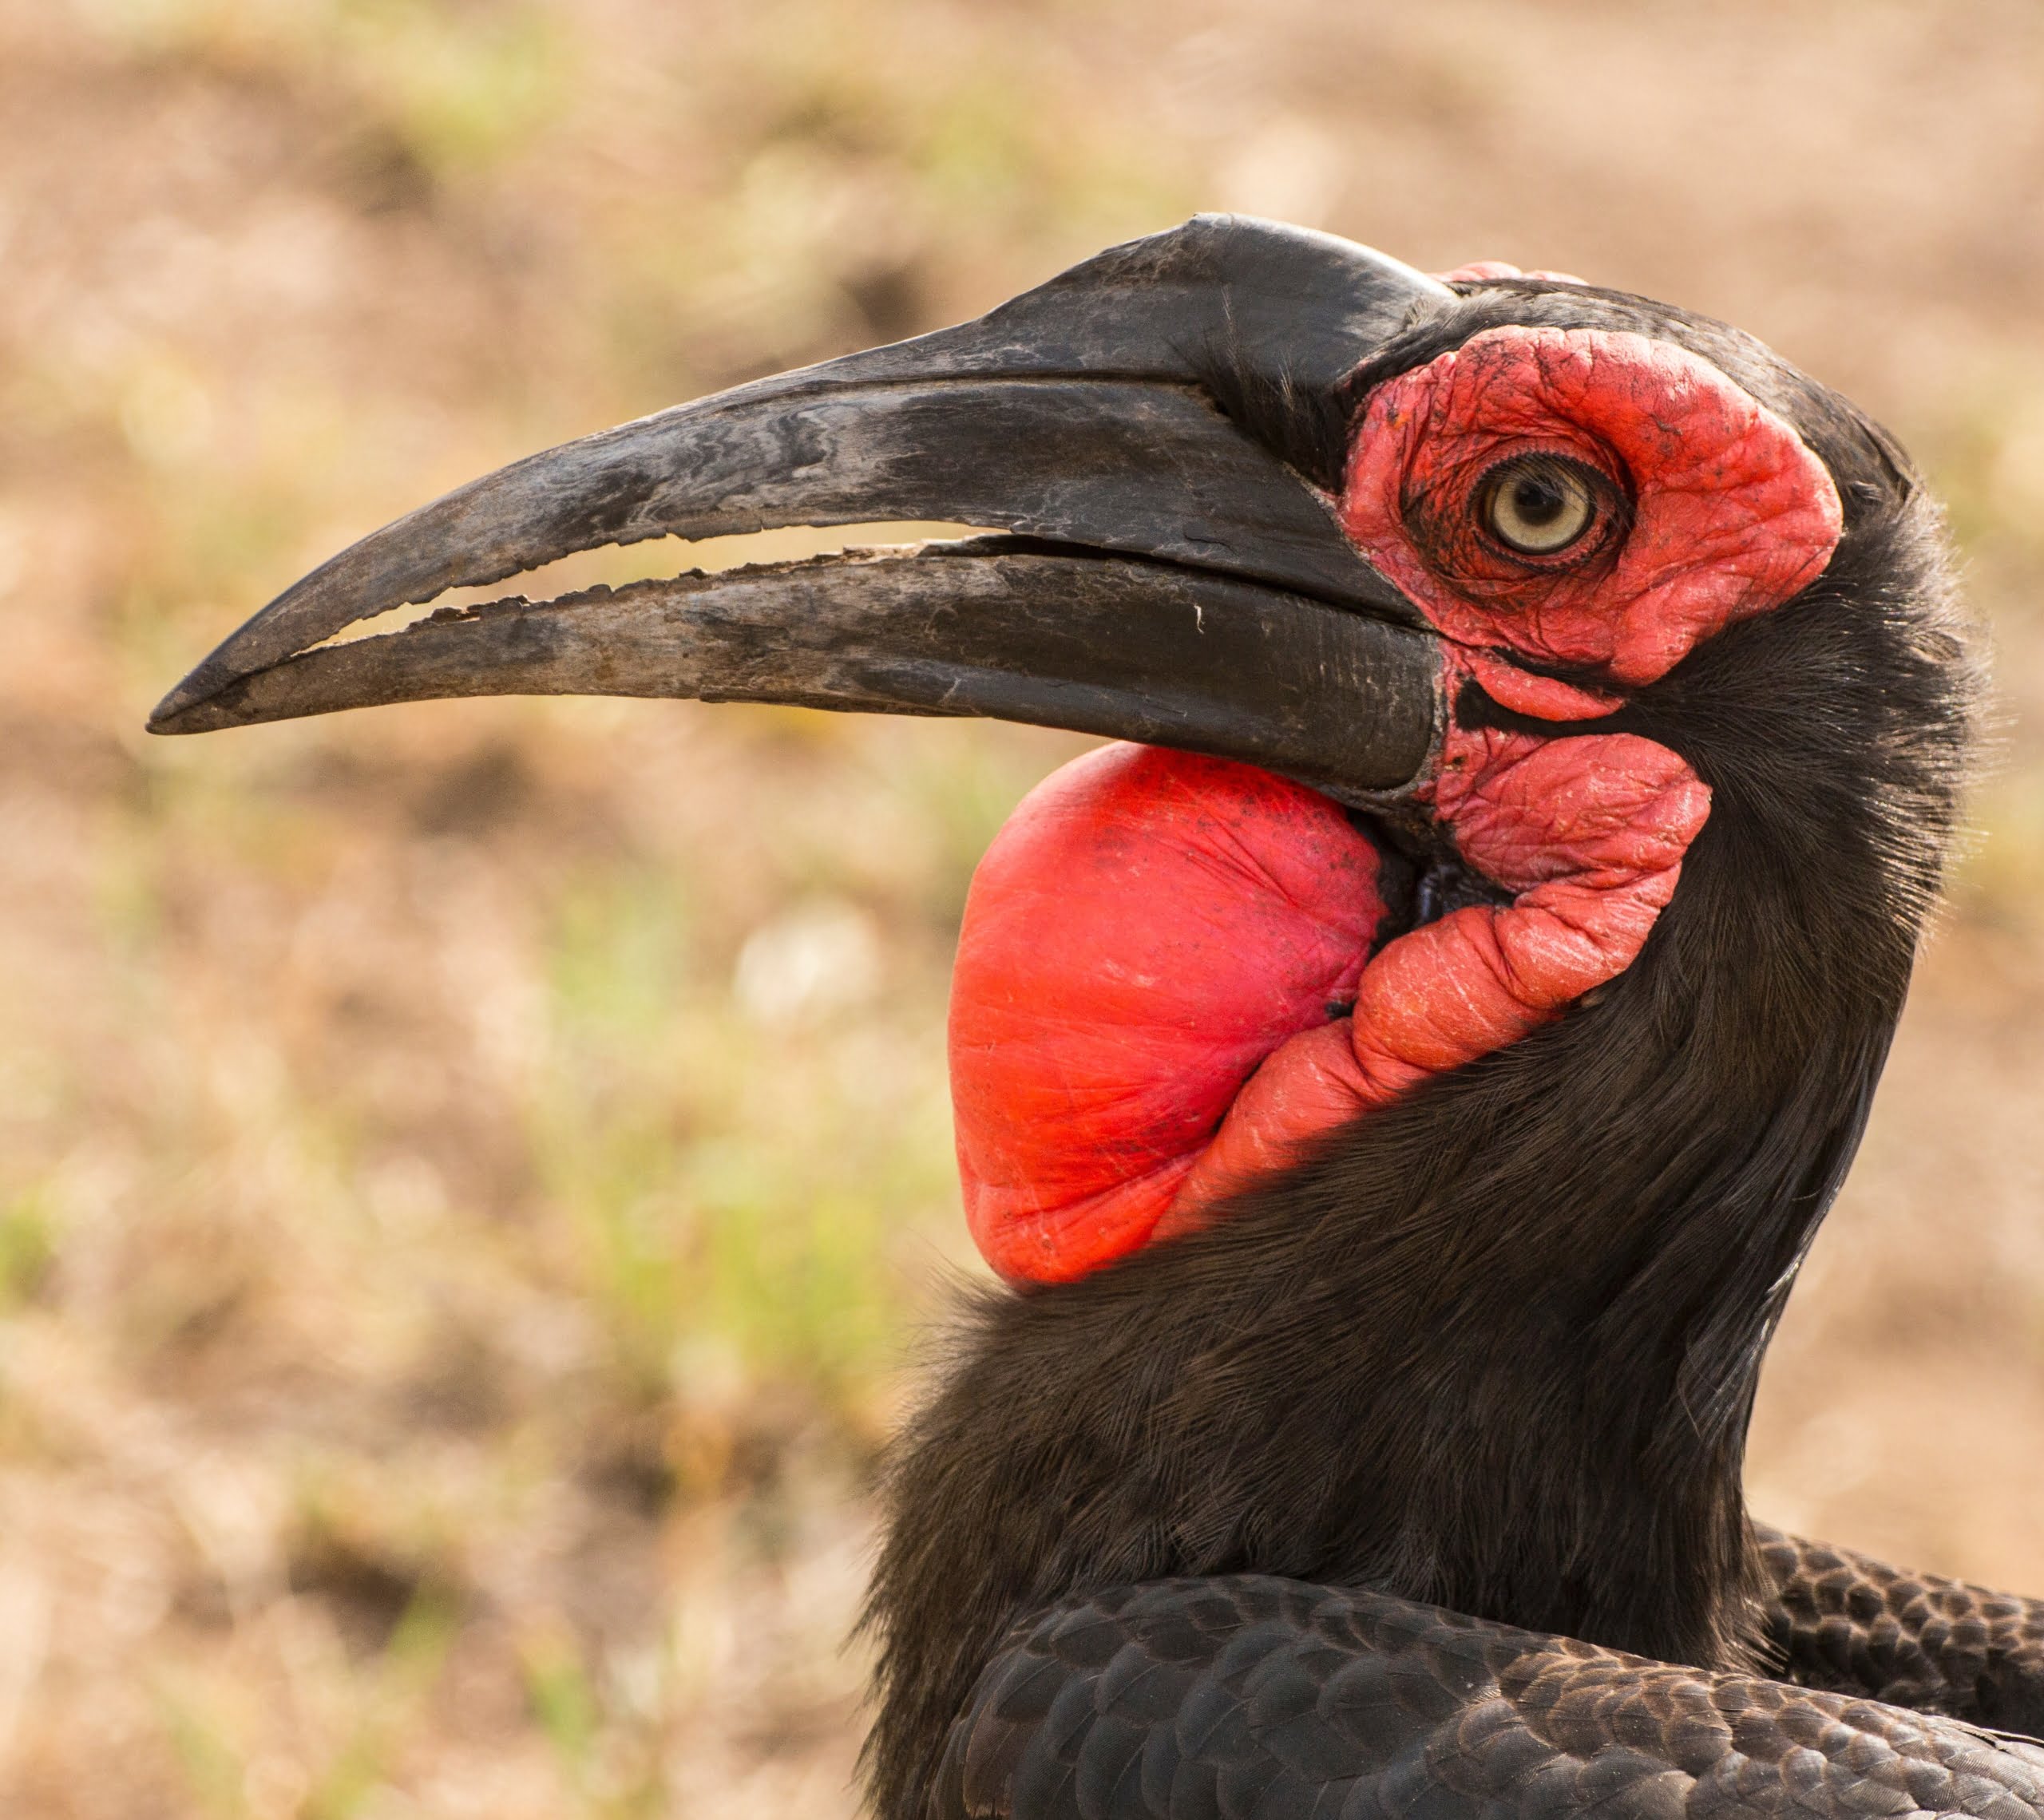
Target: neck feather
(1494, 1347)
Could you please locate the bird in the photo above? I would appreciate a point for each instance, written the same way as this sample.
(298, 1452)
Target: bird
(1398, 1074)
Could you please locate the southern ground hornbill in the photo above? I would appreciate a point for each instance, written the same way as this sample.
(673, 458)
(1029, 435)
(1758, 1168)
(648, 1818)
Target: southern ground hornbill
(1398, 1090)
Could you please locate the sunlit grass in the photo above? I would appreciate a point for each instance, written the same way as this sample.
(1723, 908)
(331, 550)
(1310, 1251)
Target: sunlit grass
(235, 1777)
(26, 1247)
(732, 1174)
(456, 86)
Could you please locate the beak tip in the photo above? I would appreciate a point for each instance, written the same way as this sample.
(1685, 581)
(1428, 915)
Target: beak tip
(184, 709)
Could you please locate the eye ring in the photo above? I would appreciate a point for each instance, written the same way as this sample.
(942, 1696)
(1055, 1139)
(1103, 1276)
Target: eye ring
(1541, 505)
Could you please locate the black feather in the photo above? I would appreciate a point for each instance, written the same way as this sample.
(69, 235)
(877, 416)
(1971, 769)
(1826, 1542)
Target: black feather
(1315, 1701)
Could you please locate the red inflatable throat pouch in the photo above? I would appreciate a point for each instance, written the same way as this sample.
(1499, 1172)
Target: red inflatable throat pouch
(1146, 930)
(1170, 982)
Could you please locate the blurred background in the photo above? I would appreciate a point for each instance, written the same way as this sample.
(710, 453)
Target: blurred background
(472, 1177)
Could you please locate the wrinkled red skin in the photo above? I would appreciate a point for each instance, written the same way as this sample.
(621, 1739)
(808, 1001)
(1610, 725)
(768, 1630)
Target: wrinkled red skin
(1147, 1010)
(1588, 831)
(1731, 514)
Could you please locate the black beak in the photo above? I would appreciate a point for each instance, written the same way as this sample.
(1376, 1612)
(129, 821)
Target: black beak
(1168, 579)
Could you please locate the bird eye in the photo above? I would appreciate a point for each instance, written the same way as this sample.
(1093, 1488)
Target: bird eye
(1538, 504)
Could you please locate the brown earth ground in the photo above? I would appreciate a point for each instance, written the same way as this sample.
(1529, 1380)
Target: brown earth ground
(470, 1177)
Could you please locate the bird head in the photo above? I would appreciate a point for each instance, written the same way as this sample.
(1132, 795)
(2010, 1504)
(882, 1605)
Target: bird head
(1512, 682)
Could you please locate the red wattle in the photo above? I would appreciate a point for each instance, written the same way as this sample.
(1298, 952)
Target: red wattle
(1589, 832)
(1147, 927)
(1152, 1002)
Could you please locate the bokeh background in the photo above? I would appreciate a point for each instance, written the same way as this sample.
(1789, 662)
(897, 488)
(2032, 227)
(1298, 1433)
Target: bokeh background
(472, 1176)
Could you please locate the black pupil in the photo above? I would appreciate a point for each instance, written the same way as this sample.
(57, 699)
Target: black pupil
(1538, 499)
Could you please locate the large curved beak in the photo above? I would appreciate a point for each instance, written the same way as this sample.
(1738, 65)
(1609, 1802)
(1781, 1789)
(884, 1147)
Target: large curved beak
(1166, 578)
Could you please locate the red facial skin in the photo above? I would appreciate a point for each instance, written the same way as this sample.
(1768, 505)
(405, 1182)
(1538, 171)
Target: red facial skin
(1731, 514)
(1146, 1012)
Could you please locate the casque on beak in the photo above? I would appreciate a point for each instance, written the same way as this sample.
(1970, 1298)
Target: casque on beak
(1165, 578)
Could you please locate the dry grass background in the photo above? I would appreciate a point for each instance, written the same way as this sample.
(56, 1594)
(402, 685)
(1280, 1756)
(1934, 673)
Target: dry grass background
(469, 1176)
